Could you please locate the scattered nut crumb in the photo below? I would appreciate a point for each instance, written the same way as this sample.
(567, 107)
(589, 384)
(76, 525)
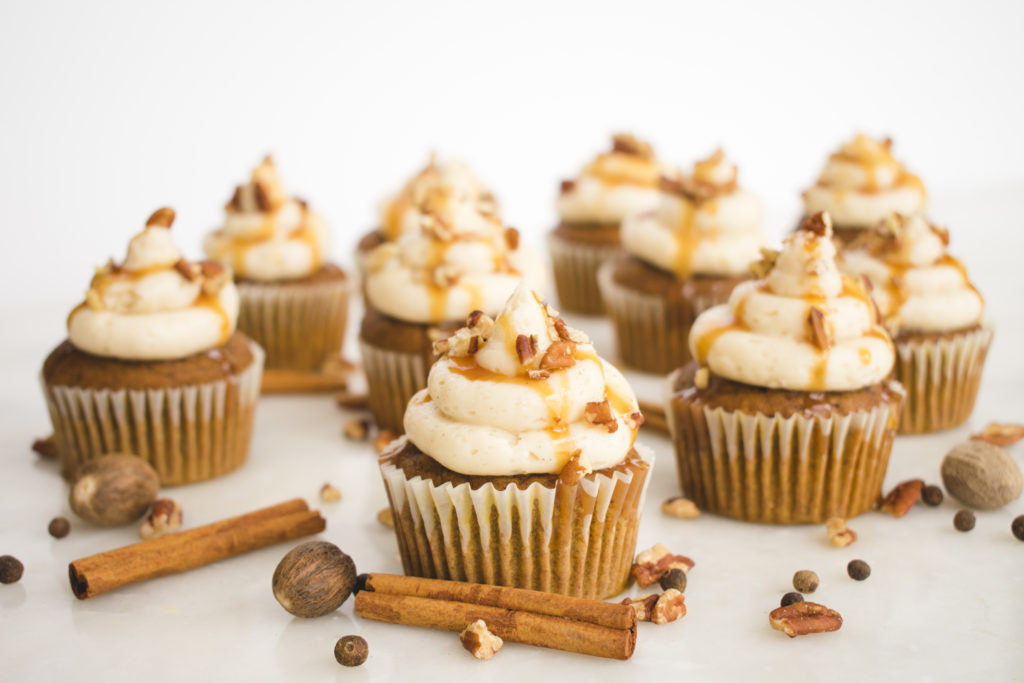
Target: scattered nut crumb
(805, 581)
(801, 618)
(680, 507)
(642, 606)
(1000, 434)
(858, 570)
(655, 562)
(384, 438)
(963, 520)
(479, 641)
(163, 518)
(670, 606)
(45, 448)
(839, 535)
(790, 597)
(386, 517)
(932, 495)
(356, 428)
(11, 569)
(59, 527)
(351, 650)
(899, 501)
(329, 493)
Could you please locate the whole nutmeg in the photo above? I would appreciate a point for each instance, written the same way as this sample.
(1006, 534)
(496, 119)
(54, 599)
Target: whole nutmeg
(981, 475)
(313, 579)
(114, 489)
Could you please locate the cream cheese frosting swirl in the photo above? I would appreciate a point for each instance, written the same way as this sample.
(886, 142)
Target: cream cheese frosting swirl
(460, 259)
(268, 236)
(705, 224)
(804, 326)
(916, 284)
(862, 183)
(403, 212)
(155, 305)
(615, 184)
(524, 394)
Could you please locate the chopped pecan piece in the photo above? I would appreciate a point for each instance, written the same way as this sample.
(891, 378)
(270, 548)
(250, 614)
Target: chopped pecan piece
(45, 448)
(538, 374)
(163, 518)
(1000, 434)
(558, 356)
(634, 420)
(653, 563)
(820, 334)
(643, 606)
(512, 238)
(479, 641)
(839, 535)
(682, 508)
(820, 224)
(626, 143)
(567, 186)
(161, 218)
(670, 606)
(600, 413)
(802, 618)
(899, 501)
(189, 271)
(574, 470)
(329, 493)
(526, 348)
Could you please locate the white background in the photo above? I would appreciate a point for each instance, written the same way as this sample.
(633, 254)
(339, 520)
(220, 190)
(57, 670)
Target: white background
(108, 111)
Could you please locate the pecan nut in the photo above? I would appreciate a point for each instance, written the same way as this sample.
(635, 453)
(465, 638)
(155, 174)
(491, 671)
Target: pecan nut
(802, 618)
(899, 501)
(655, 562)
(839, 535)
(670, 606)
(1000, 434)
(478, 640)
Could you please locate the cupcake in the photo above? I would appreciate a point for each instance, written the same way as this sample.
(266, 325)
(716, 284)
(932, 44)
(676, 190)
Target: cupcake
(933, 313)
(153, 365)
(591, 209)
(519, 466)
(293, 302)
(786, 414)
(403, 212)
(679, 260)
(420, 287)
(861, 184)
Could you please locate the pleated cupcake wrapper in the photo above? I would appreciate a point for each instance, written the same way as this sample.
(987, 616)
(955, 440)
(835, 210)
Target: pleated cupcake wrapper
(189, 433)
(941, 378)
(574, 539)
(783, 470)
(392, 377)
(300, 326)
(575, 266)
(652, 332)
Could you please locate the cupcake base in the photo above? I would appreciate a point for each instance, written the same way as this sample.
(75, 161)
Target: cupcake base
(191, 419)
(941, 373)
(528, 531)
(783, 457)
(577, 251)
(396, 358)
(299, 323)
(652, 310)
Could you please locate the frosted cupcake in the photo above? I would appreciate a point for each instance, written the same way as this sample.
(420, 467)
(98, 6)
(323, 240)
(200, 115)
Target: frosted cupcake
(293, 302)
(679, 260)
(787, 414)
(861, 184)
(519, 466)
(421, 287)
(153, 365)
(591, 209)
(934, 314)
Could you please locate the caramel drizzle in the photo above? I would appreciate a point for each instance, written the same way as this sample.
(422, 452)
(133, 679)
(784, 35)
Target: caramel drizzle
(868, 164)
(898, 293)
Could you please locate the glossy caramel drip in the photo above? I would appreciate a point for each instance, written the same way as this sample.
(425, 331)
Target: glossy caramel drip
(705, 341)
(686, 237)
(865, 356)
(211, 302)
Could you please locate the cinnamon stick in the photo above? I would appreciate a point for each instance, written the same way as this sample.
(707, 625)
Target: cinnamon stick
(278, 381)
(654, 416)
(560, 622)
(193, 548)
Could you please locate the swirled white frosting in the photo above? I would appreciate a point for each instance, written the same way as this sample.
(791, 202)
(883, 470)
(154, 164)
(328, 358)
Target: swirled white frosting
(916, 284)
(458, 260)
(764, 335)
(714, 232)
(403, 212)
(267, 236)
(155, 306)
(862, 183)
(616, 184)
(484, 415)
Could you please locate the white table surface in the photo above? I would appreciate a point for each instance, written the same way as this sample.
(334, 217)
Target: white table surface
(939, 605)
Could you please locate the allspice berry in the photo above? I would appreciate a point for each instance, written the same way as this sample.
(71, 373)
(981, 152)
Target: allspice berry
(932, 495)
(11, 569)
(963, 520)
(351, 650)
(313, 579)
(59, 527)
(114, 489)
(858, 570)
(805, 581)
(790, 598)
(1017, 527)
(674, 578)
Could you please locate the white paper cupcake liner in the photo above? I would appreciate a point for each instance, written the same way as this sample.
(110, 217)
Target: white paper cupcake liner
(784, 470)
(573, 539)
(652, 332)
(188, 433)
(392, 377)
(300, 326)
(575, 267)
(942, 378)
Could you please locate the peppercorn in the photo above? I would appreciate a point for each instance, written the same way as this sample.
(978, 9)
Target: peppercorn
(789, 598)
(963, 520)
(805, 581)
(351, 650)
(674, 578)
(11, 569)
(858, 570)
(1017, 527)
(59, 527)
(932, 495)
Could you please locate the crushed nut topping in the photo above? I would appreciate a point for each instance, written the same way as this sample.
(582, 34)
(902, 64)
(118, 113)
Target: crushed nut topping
(600, 413)
(567, 186)
(478, 640)
(633, 420)
(573, 470)
(512, 238)
(626, 143)
(161, 218)
(643, 606)
(820, 224)
(526, 348)
(558, 356)
(820, 332)
(538, 374)
(189, 271)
